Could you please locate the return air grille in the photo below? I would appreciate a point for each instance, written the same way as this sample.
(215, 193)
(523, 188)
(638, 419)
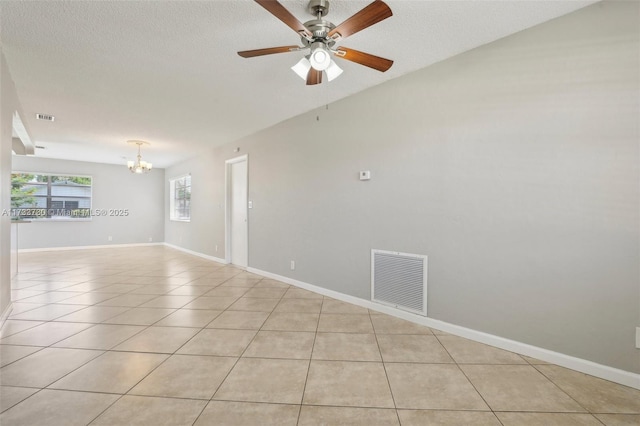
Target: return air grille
(399, 280)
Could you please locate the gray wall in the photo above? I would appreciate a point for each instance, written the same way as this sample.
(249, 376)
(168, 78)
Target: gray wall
(514, 167)
(207, 207)
(114, 187)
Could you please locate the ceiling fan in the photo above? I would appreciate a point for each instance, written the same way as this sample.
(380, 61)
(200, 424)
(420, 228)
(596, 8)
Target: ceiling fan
(321, 36)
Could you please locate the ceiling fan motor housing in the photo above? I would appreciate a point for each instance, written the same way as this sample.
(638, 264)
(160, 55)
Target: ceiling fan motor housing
(319, 7)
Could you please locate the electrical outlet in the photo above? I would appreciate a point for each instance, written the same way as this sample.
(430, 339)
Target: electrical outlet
(637, 337)
(109, 238)
(293, 265)
(150, 239)
(216, 247)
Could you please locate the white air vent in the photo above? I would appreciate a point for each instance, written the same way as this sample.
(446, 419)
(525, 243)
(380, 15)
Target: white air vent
(45, 117)
(399, 280)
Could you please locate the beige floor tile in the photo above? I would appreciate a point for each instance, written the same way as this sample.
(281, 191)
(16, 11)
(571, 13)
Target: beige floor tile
(347, 416)
(331, 306)
(188, 290)
(186, 376)
(158, 340)
(432, 386)
(157, 289)
(239, 282)
(45, 367)
(52, 407)
(45, 334)
(211, 303)
(89, 298)
(175, 302)
(253, 304)
(47, 312)
(465, 351)
(101, 336)
(85, 287)
(16, 326)
(518, 388)
(128, 300)
(354, 384)
(239, 320)
(269, 283)
(619, 419)
(10, 396)
(299, 293)
(285, 321)
(412, 348)
(207, 281)
(19, 307)
(218, 342)
(145, 411)
(307, 306)
(346, 347)
(140, 316)
(281, 344)
(118, 288)
(385, 324)
(12, 353)
(545, 419)
(262, 380)
(189, 318)
(236, 292)
(112, 372)
(596, 395)
(266, 293)
(94, 314)
(345, 323)
(17, 295)
(224, 413)
(51, 297)
(447, 418)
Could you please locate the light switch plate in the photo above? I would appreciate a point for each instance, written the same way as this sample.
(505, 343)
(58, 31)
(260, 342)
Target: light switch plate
(365, 175)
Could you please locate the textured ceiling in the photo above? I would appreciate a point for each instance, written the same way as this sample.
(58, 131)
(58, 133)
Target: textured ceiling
(167, 71)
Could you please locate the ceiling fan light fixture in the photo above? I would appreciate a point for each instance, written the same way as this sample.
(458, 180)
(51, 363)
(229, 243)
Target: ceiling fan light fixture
(333, 71)
(320, 58)
(302, 68)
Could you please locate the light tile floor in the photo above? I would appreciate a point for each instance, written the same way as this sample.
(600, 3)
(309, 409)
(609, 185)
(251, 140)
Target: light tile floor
(153, 336)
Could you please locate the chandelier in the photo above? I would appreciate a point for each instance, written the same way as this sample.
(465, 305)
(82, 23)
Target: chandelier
(139, 166)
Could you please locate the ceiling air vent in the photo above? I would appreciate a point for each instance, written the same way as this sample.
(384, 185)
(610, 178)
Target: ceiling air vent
(45, 117)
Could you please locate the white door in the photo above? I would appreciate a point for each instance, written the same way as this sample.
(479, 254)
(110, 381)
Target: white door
(237, 199)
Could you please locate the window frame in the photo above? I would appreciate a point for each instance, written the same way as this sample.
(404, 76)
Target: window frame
(173, 209)
(49, 197)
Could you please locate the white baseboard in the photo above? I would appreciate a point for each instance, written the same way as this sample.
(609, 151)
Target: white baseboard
(195, 253)
(34, 250)
(5, 314)
(584, 366)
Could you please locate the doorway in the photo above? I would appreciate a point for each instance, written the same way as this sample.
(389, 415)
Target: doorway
(237, 232)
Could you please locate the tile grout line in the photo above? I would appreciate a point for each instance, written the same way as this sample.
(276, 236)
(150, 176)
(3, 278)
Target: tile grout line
(306, 379)
(468, 380)
(384, 367)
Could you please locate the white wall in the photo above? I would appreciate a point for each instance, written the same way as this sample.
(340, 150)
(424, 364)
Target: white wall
(9, 104)
(514, 167)
(114, 187)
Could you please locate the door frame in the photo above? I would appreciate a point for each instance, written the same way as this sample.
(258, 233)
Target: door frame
(227, 209)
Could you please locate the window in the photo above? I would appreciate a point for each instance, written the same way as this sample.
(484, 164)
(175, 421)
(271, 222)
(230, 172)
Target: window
(37, 196)
(180, 198)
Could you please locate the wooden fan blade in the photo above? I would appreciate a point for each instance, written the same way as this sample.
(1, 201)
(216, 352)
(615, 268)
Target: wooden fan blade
(280, 12)
(366, 59)
(267, 51)
(372, 14)
(314, 77)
